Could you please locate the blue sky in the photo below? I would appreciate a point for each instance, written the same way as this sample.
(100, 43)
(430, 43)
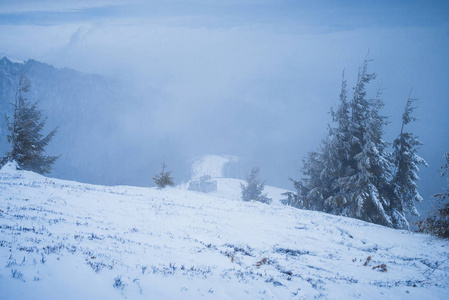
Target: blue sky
(252, 78)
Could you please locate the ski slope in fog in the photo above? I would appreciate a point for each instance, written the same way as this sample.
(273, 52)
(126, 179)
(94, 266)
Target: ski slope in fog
(67, 240)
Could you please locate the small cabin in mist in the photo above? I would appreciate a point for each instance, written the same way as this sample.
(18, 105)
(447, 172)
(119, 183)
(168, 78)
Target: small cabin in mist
(204, 184)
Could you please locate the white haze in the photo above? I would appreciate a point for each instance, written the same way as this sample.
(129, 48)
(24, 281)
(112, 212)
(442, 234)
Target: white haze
(253, 79)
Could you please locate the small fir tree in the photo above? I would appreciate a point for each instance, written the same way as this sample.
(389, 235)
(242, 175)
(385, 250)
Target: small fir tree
(27, 142)
(254, 188)
(438, 222)
(163, 179)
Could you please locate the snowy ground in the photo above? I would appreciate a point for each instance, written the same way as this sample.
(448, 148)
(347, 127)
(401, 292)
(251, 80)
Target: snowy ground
(66, 240)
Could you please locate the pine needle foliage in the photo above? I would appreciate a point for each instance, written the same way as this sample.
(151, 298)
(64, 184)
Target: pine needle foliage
(25, 133)
(405, 176)
(438, 222)
(163, 179)
(254, 188)
(353, 174)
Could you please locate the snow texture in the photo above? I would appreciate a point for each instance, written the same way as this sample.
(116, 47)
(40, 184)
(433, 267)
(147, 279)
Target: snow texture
(67, 240)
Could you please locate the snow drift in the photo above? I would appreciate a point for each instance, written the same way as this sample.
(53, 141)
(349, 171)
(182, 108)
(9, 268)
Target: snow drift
(66, 240)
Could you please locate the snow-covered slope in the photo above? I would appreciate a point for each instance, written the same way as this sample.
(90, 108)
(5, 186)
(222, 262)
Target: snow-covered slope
(65, 240)
(212, 165)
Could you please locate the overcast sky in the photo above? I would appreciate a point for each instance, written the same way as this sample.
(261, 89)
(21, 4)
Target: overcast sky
(250, 78)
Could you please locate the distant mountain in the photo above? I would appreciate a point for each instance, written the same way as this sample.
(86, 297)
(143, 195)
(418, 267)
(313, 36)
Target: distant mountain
(85, 108)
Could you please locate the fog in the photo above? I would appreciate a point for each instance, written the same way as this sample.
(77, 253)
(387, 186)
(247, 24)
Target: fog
(254, 79)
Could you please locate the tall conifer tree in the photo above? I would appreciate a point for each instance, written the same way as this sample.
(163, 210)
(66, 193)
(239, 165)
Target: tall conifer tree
(353, 173)
(368, 193)
(406, 161)
(27, 142)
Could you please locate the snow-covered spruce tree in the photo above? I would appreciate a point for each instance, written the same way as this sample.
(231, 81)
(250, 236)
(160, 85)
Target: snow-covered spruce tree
(367, 189)
(406, 161)
(361, 191)
(349, 176)
(163, 179)
(337, 154)
(310, 191)
(359, 110)
(438, 222)
(340, 138)
(27, 142)
(254, 188)
(321, 169)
